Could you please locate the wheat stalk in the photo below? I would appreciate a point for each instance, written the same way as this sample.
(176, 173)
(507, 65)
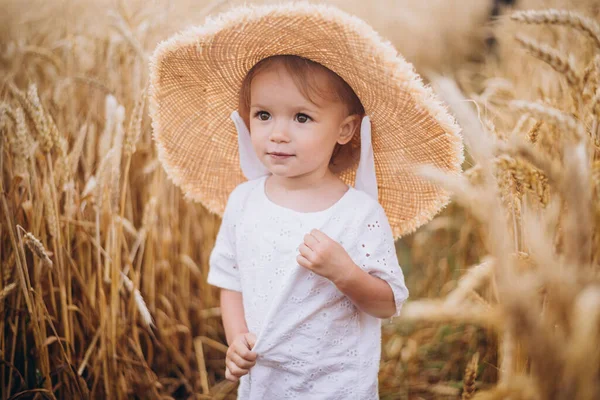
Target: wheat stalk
(36, 116)
(127, 225)
(103, 186)
(595, 104)
(7, 290)
(533, 133)
(560, 17)
(437, 311)
(470, 281)
(106, 138)
(590, 78)
(44, 53)
(19, 141)
(474, 175)
(77, 150)
(8, 268)
(583, 351)
(470, 376)
(139, 301)
(89, 158)
(51, 220)
(121, 25)
(43, 121)
(526, 177)
(37, 248)
(555, 116)
(552, 57)
(117, 149)
(148, 219)
(135, 126)
(61, 167)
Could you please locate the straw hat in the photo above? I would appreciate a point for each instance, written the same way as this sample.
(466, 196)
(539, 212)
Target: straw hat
(195, 78)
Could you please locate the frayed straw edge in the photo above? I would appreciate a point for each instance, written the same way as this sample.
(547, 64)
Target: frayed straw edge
(422, 95)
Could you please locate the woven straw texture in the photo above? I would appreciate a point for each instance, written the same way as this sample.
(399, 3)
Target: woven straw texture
(196, 76)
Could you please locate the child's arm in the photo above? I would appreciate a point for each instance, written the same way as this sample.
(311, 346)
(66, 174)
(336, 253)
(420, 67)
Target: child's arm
(239, 357)
(375, 285)
(328, 258)
(232, 313)
(224, 272)
(369, 293)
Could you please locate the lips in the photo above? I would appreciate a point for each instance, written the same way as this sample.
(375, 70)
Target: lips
(277, 153)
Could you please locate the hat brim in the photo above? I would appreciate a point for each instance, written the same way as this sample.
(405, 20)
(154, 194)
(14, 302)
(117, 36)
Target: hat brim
(195, 78)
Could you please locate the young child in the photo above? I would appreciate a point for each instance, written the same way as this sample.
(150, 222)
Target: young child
(305, 260)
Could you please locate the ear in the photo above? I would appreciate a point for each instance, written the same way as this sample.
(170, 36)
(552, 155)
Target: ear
(349, 126)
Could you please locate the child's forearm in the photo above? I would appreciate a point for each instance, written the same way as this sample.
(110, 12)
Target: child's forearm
(369, 293)
(232, 312)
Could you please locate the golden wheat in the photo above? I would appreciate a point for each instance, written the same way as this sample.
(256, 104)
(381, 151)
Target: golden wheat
(37, 248)
(560, 17)
(470, 376)
(127, 309)
(552, 57)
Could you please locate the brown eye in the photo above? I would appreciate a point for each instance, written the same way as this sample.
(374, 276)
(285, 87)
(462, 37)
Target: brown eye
(302, 118)
(263, 115)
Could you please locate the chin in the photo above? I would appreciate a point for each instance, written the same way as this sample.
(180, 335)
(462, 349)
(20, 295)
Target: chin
(283, 172)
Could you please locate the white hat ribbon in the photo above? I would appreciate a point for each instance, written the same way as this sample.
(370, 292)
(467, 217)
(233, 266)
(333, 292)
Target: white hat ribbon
(252, 168)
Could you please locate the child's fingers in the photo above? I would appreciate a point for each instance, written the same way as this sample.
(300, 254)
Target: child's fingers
(229, 376)
(250, 339)
(306, 252)
(311, 241)
(241, 348)
(303, 262)
(234, 370)
(241, 362)
(319, 236)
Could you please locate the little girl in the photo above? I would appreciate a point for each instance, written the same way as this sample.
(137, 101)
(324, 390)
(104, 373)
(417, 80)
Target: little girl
(314, 182)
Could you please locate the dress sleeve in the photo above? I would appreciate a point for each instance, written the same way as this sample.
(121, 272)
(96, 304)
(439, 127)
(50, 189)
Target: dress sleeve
(378, 254)
(223, 268)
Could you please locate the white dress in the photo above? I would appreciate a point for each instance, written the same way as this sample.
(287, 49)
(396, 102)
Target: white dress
(312, 341)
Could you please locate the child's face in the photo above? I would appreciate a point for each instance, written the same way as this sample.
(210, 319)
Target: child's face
(291, 135)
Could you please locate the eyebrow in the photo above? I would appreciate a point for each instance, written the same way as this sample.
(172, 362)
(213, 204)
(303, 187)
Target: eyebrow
(254, 105)
(308, 109)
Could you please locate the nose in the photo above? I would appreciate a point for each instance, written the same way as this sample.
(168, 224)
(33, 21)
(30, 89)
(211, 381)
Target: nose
(278, 133)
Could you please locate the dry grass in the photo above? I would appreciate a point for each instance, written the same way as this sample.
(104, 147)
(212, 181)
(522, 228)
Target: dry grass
(103, 288)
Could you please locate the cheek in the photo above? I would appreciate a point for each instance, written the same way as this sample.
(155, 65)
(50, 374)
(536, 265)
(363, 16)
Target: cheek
(318, 140)
(257, 136)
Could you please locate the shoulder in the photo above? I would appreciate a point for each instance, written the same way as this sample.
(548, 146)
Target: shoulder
(365, 223)
(244, 189)
(367, 215)
(238, 197)
(364, 206)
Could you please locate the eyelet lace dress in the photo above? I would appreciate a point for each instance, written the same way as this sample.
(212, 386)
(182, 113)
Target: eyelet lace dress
(312, 341)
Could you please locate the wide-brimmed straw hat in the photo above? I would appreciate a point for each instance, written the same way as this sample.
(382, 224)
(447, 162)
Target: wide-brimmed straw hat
(195, 79)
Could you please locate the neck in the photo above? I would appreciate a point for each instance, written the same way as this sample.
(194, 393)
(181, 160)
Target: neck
(311, 180)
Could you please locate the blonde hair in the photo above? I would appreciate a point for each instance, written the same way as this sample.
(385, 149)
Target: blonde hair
(302, 72)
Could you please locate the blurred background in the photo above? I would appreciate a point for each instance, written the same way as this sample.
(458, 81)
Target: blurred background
(103, 288)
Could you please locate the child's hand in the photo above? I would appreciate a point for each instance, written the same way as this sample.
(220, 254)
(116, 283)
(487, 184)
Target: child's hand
(325, 256)
(239, 358)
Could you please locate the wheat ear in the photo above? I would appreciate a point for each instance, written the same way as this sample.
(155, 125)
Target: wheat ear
(470, 376)
(552, 57)
(556, 116)
(37, 248)
(560, 17)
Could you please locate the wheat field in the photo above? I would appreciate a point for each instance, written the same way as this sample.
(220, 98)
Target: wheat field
(103, 288)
